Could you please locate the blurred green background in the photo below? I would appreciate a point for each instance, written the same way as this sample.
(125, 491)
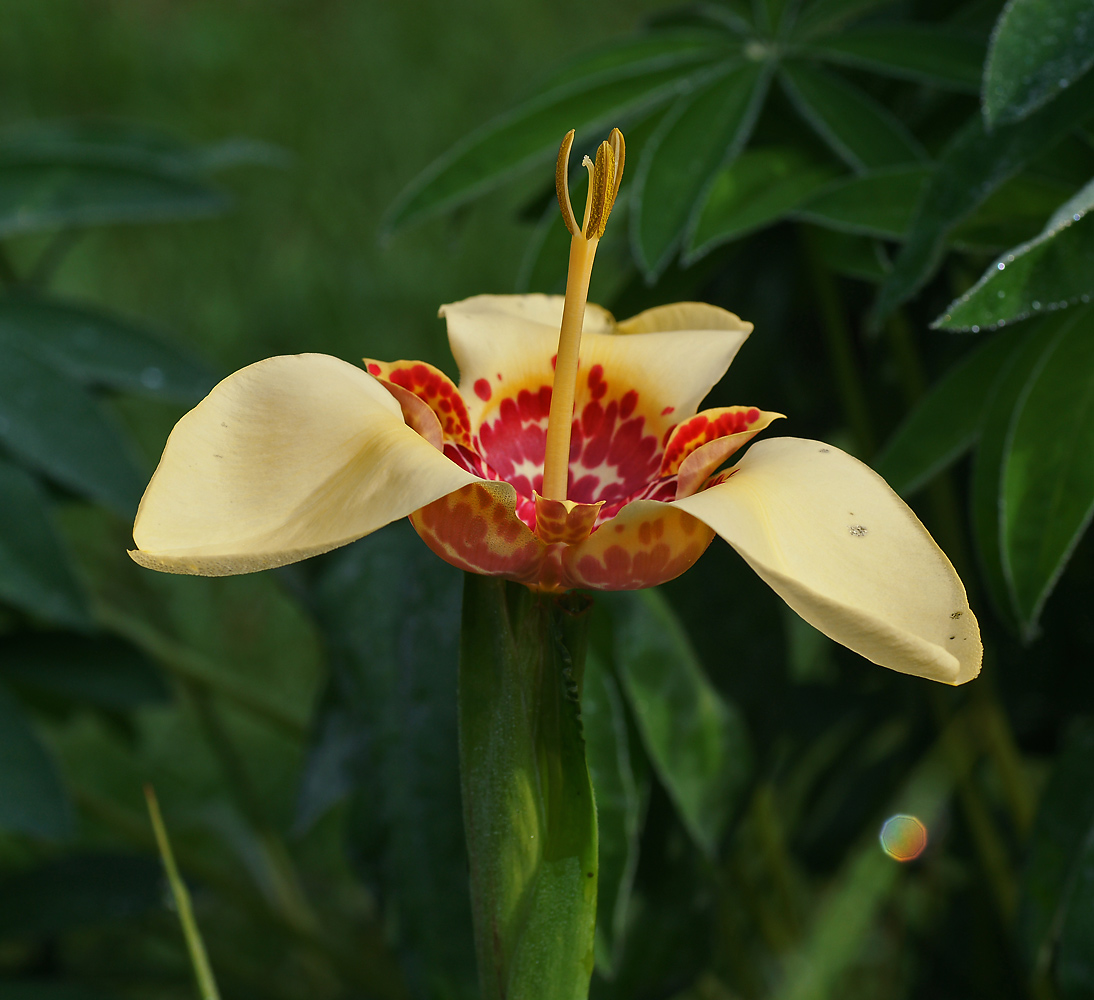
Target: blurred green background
(299, 727)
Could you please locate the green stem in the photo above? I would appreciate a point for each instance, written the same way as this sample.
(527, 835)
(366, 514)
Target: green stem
(529, 816)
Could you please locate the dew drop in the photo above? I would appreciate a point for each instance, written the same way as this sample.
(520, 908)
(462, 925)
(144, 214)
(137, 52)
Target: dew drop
(1000, 265)
(1002, 295)
(1036, 304)
(1086, 298)
(975, 329)
(1076, 217)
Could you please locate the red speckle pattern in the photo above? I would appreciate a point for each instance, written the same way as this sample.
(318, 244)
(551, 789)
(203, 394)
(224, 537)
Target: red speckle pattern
(433, 388)
(623, 532)
(703, 427)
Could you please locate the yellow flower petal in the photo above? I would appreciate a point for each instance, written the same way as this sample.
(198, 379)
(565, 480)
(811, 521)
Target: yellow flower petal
(845, 552)
(285, 459)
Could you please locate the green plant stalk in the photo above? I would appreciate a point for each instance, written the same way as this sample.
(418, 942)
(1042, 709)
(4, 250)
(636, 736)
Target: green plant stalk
(202, 970)
(529, 815)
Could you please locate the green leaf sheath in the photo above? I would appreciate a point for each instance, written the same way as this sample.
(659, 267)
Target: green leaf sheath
(33, 799)
(922, 53)
(1056, 268)
(859, 131)
(696, 741)
(529, 816)
(1047, 494)
(1038, 49)
(946, 422)
(700, 133)
(36, 572)
(1057, 891)
(620, 84)
(98, 348)
(56, 427)
(757, 189)
(970, 168)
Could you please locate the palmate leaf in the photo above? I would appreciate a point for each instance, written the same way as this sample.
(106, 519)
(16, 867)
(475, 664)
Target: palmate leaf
(823, 16)
(973, 165)
(55, 426)
(880, 203)
(929, 54)
(36, 573)
(946, 422)
(1047, 484)
(696, 741)
(859, 131)
(1055, 269)
(620, 84)
(98, 348)
(700, 133)
(1038, 49)
(757, 189)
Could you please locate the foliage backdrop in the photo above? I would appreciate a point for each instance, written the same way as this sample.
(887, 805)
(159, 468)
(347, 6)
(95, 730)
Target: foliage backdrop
(859, 178)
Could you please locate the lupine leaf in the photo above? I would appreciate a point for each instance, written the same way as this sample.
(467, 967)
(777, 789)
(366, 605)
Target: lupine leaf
(973, 165)
(990, 456)
(96, 347)
(704, 130)
(32, 797)
(624, 83)
(859, 130)
(757, 189)
(1047, 488)
(823, 16)
(880, 203)
(947, 421)
(696, 740)
(924, 53)
(1038, 49)
(36, 573)
(1055, 269)
(386, 739)
(1056, 869)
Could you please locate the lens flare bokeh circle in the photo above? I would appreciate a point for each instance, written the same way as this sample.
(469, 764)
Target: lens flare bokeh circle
(903, 838)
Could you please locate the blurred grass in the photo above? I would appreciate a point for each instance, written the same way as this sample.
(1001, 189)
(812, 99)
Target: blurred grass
(362, 95)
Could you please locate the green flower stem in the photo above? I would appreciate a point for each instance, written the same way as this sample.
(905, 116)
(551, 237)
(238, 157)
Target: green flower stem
(529, 816)
(203, 972)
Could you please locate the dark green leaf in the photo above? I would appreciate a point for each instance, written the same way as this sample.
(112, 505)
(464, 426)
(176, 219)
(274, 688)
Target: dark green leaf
(757, 189)
(972, 166)
(55, 426)
(98, 348)
(78, 891)
(95, 670)
(1055, 866)
(54, 182)
(823, 16)
(705, 129)
(1014, 213)
(37, 989)
(1047, 494)
(386, 738)
(624, 83)
(32, 797)
(1055, 269)
(1038, 48)
(528, 801)
(858, 129)
(36, 573)
(990, 455)
(695, 739)
(621, 798)
(852, 256)
(924, 53)
(880, 203)
(946, 422)
(1075, 958)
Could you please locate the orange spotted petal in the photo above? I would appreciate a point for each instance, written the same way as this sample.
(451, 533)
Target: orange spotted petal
(433, 388)
(706, 426)
(647, 543)
(417, 413)
(476, 528)
(696, 468)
